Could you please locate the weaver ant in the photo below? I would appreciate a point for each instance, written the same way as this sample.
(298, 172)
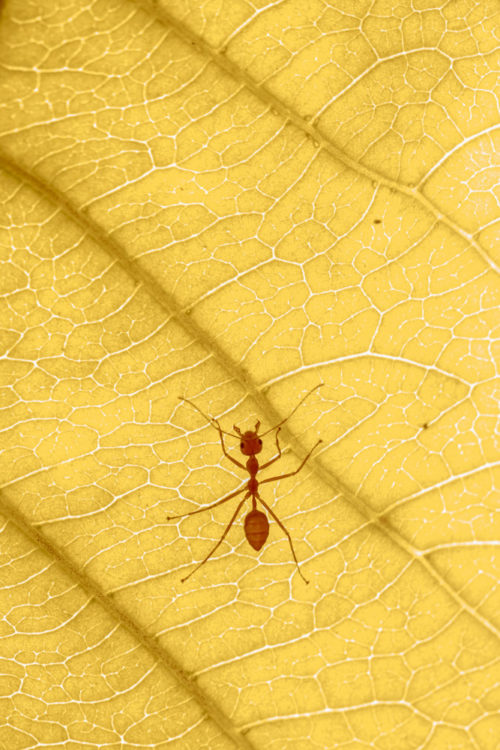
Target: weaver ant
(256, 524)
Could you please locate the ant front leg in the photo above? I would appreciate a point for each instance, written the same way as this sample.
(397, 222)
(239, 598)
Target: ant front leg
(291, 473)
(264, 466)
(237, 463)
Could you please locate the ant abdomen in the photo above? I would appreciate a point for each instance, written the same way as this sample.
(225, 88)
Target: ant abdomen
(256, 528)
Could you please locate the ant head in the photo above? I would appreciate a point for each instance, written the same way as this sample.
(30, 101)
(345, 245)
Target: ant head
(250, 443)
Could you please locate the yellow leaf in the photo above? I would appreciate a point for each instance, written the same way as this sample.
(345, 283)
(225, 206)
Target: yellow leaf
(233, 203)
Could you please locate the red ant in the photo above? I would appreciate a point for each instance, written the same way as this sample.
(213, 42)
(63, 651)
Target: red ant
(256, 524)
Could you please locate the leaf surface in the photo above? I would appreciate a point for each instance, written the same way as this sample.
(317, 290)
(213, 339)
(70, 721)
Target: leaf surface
(232, 204)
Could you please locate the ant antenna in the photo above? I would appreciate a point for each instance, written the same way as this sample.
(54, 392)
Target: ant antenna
(210, 420)
(215, 422)
(294, 410)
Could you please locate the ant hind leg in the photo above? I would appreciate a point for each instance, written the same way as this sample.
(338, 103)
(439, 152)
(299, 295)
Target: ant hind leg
(220, 540)
(284, 529)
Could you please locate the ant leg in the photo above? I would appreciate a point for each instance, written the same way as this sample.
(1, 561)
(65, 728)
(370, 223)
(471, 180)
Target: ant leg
(237, 463)
(220, 540)
(264, 466)
(207, 507)
(291, 473)
(283, 528)
(215, 423)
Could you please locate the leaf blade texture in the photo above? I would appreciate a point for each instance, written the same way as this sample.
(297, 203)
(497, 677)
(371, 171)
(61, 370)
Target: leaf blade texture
(233, 203)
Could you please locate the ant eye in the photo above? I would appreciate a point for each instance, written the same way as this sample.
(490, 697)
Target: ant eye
(260, 441)
(241, 445)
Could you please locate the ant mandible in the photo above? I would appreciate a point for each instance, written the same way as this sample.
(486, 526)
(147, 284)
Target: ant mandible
(256, 524)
